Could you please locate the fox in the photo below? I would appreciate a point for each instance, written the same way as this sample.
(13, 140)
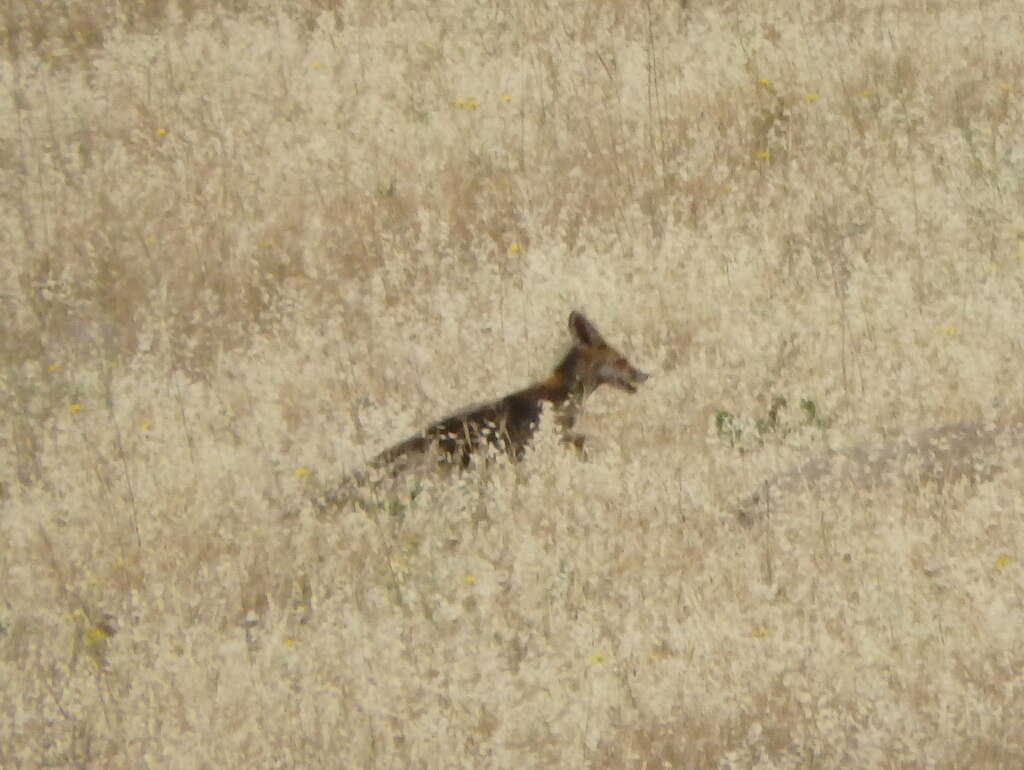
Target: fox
(507, 425)
(944, 455)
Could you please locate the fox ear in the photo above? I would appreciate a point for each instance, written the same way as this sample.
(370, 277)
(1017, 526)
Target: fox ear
(584, 332)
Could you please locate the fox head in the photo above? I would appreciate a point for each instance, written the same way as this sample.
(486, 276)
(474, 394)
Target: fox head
(593, 362)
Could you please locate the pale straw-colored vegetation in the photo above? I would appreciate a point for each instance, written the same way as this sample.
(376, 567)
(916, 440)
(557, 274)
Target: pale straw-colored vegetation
(248, 245)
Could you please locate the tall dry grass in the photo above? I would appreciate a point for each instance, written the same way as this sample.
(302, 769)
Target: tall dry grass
(245, 248)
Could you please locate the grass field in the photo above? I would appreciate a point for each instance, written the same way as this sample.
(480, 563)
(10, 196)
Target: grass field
(246, 248)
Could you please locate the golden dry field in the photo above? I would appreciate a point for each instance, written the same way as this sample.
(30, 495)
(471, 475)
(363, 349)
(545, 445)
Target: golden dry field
(248, 245)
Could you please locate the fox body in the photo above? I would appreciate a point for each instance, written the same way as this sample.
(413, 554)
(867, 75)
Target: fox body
(507, 425)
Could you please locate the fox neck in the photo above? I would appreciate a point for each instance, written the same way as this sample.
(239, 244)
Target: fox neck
(564, 389)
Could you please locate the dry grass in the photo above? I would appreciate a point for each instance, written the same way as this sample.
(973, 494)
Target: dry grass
(244, 249)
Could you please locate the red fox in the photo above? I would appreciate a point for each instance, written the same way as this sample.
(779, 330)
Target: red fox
(508, 424)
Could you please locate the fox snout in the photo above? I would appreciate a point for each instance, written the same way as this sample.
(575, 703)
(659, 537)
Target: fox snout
(622, 375)
(637, 378)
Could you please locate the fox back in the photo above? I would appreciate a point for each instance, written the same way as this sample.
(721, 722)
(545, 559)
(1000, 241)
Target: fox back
(506, 426)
